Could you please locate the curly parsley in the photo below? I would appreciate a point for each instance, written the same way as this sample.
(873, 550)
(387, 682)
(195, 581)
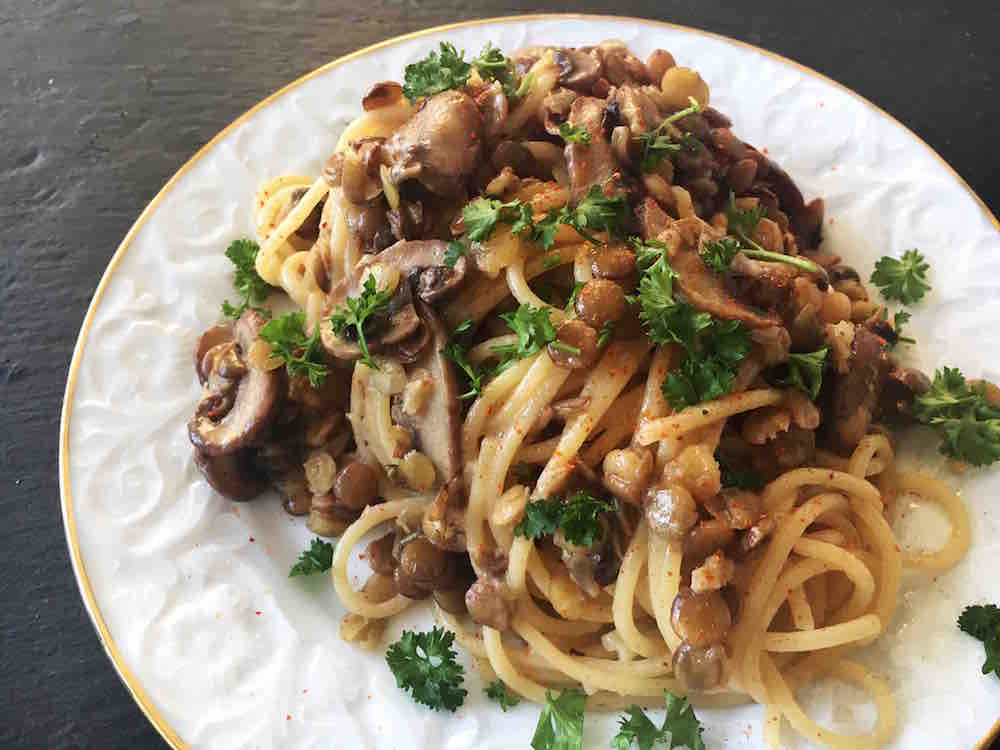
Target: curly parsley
(578, 517)
(681, 728)
(457, 354)
(497, 691)
(967, 423)
(253, 289)
(656, 144)
(437, 72)
(534, 330)
(560, 724)
(982, 621)
(594, 213)
(904, 279)
(302, 355)
(424, 663)
(803, 371)
(317, 559)
(573, 133)
(349, 320)
(483, 214)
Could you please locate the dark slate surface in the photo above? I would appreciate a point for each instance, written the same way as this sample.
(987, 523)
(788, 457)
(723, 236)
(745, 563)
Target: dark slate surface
(101, 102)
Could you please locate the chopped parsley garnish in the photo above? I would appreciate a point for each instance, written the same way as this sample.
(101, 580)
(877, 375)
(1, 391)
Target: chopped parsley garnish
(447, 69)
(803, 371)
(968, 425)
(573, 133)
(578, 517)
(534, 330)
(560, 725)
(253, 289)
(681, 728)
(594, 213)
(719, 254)
(457, 354)
(571, 302)
(982, 621)
(550, 261)
(454, 251)
(302, 355)
(436, 73)
(482, 215)
(904, 279)
(317, 559)
(464, 327)
(713, 348)
(497, 691)
(656, 144)
(349, 320)
(605, 334)
(900, 319)
(425, 664)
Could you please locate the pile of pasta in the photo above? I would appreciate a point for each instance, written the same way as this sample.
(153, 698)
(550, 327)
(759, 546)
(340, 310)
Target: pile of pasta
(829, 574)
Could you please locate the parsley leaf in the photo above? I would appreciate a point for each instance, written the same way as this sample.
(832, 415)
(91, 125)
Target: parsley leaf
(497, 691)
(656, 144)
(317, 559)
(424, 663)
(719, 254)
(804, 371)
(457, 354)
(982, 621)
(742, 223)
(605, 334)
(253, 289)
(481, 216)
(560, 725)
(573, 133)
(436, 73)
(534, 330)
(302, 356)
(349, 320)
(454, 251)
(596, 212)
(900, 319)
(544, 231)
(578, 517)
(464, 327)
(493, 65)
(968, 424)
(680, 728)
(905, 279)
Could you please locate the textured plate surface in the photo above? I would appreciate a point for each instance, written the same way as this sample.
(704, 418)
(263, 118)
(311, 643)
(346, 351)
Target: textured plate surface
(190, 592)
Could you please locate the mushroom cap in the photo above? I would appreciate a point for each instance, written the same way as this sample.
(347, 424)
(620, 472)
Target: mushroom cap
(257, 399)
(219, 334)
(232, 475)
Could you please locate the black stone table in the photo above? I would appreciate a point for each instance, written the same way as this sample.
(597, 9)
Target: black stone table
(100, 102)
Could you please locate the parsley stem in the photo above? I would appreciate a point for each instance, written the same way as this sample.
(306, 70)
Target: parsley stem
(695, 107)
(756, 252)
(566, 348)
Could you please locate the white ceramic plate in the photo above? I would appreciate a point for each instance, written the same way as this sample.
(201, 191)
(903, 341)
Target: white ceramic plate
(190, 593)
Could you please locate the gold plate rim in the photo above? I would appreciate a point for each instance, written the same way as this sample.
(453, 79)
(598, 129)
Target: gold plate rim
(133, 685)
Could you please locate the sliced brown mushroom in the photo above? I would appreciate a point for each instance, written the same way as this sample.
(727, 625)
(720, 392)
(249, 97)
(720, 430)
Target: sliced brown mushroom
(591, 163)
(440, 145)
(254, 407)
(423, 272)
(232, 475)
(856, 393)
(707, 292)
(439, 430)
(220, 334)
(382, 94)
(578, 69)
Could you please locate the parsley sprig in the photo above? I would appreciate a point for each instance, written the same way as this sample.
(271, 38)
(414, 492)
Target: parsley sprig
(425, 664)
(904, 279)
(579, 517)
(497, 691)
(483, 214)
(656, 144)
(493, 65)
(534, 330)
(573, 133)
(317, 559)
(349, 319)
(252, 288)
(982, 621)
(302, 355)
(742, 223)
(681, 728)
(968, 425)
(803, 371)
(458, 354)
(560, 724)
(713, 348)
(448, 69)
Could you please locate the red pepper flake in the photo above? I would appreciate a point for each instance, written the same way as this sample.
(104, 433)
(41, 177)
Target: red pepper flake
(251, 539)
(288, 717)
(305, 690)
(257, 612)
(821, 104)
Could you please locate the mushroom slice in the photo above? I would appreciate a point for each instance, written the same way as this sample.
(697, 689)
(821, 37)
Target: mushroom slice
(233, 475)
(256, 402)
(382, 94)
(578, 69)
(220, 334)
(591, 163)
(422, 271)
(439, 428)
(707, 292)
